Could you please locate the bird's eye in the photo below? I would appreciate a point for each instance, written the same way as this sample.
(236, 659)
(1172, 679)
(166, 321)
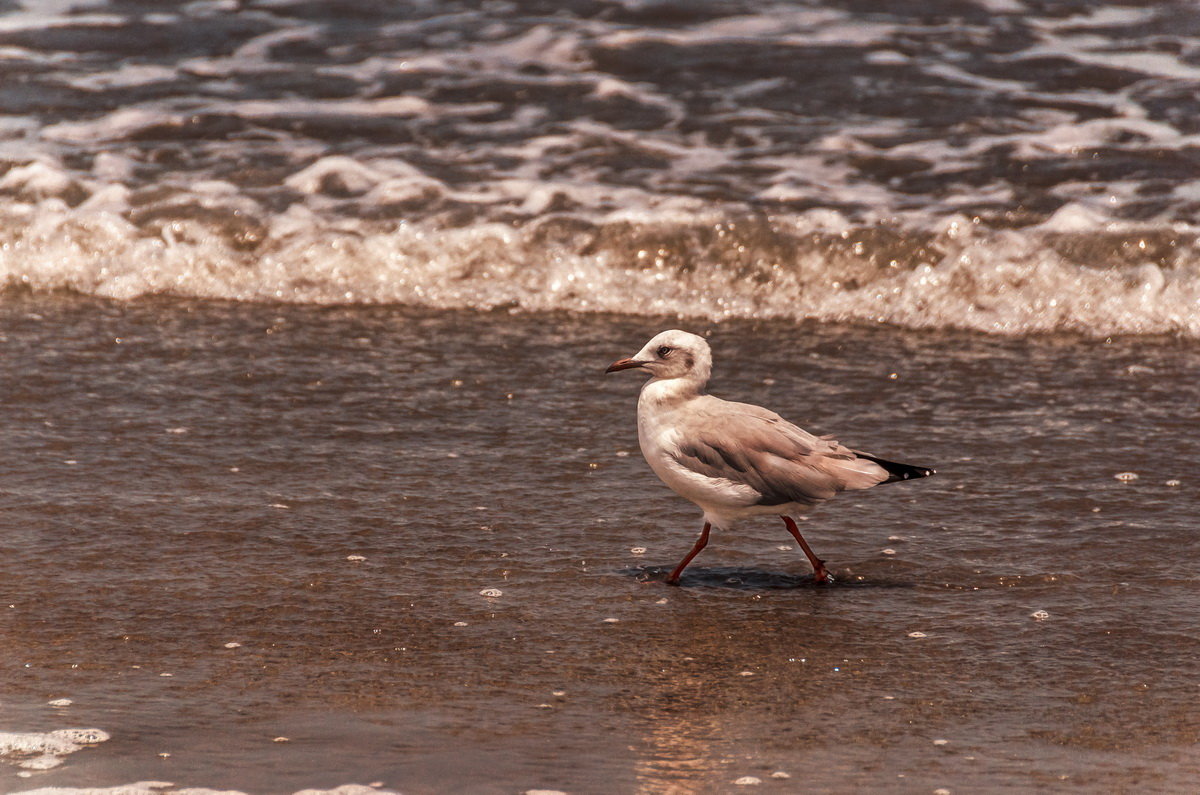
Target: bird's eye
(663, 351)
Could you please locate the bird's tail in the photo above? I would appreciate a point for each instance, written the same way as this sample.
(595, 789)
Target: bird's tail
(897, 472)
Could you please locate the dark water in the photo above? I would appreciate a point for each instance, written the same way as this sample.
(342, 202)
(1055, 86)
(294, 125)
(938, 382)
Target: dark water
(178, 476)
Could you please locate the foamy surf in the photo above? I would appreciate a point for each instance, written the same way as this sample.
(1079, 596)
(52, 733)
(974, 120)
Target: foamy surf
(46, 750)
(686, 159)
(168, 788)
(818, 265)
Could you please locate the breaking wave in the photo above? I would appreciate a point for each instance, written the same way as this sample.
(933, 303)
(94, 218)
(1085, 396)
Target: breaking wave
(985, 165)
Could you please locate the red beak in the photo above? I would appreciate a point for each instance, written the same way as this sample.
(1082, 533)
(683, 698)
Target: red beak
(623, 364)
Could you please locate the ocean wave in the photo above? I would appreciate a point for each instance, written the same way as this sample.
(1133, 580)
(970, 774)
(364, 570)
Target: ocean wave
(983, 165)
(1077, 272)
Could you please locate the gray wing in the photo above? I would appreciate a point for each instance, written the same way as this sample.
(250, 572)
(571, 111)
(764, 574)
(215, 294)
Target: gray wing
(757, 448)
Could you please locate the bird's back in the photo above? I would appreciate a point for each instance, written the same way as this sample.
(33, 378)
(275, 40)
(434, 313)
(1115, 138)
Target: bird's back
(755, 447)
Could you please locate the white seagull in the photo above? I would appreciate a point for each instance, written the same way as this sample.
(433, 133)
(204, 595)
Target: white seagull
(735, 460)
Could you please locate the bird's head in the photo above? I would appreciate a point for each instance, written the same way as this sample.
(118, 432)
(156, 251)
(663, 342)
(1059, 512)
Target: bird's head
(671, 354)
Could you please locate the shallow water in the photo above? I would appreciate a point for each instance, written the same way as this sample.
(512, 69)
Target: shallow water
(304, 313)
(181, 475)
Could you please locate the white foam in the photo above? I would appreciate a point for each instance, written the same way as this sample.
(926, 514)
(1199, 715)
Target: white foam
(45, 750)
(258, 49)
(546, 205)
(858, 32)
(38, 179)
(347, 789)
(117, 125)
(1074, 217)
(886, 57)
(778, 24)
(127, 122)
(342, 108)
(1003, 6)
(124, 76)
(1008, 282)
(1103, 16)
(395, 177)
(47, 16)
(541, 44)
(1075, 136)
(354, 177)
(169, 788)
(137, 788)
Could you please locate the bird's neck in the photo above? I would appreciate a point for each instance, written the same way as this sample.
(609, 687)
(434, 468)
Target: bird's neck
(666, 393)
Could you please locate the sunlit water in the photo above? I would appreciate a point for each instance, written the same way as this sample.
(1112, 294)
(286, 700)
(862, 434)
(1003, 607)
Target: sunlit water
(182, 476)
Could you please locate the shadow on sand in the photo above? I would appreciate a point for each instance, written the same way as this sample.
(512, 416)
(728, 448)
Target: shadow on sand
(750, 579)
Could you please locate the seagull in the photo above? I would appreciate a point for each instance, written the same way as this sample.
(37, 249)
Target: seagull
(736, 460)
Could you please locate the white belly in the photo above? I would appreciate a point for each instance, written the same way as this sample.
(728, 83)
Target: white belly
(721, 500)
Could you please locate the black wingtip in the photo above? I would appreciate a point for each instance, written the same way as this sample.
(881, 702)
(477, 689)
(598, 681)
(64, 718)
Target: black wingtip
(897, 472)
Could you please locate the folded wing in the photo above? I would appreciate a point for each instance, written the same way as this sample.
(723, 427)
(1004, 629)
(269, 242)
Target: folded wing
(755, 447)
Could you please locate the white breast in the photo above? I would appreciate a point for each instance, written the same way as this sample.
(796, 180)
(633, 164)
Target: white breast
(659, 437)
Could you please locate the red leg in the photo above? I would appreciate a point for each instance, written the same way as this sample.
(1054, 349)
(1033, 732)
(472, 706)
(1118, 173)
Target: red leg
(819, 573)
(701, 542)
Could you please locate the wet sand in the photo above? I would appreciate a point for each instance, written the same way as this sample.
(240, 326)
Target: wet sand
(179, 476)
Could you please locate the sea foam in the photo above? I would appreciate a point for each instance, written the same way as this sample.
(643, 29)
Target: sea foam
(46, 750)
(1034, 177)
(221, 244)
(168, 788)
